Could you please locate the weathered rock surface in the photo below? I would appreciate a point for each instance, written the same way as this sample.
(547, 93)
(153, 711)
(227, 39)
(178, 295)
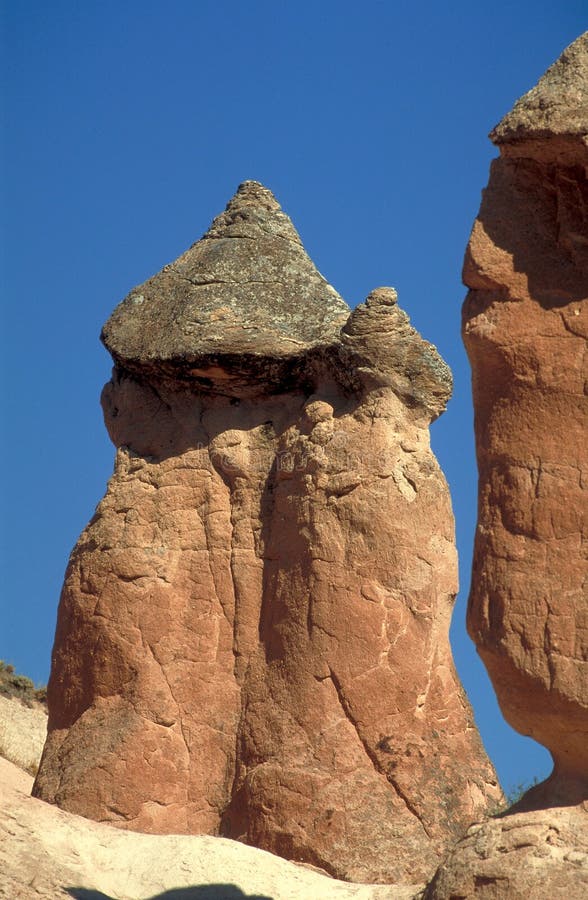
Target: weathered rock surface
(46, 853)
(517, 857)
(241, 311)
(253, 632)
(23, 730)
(525, 326)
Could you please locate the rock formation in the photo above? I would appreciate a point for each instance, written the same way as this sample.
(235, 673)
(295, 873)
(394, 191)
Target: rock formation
(252, 637)
(49, 854)
(23, 730)
(539, 854)
(525, 325)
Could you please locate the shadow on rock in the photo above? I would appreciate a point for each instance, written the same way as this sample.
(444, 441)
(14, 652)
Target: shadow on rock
(202, 892)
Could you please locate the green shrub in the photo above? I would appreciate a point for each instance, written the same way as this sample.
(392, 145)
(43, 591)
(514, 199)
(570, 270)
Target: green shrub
(517, 791)
(14, 685)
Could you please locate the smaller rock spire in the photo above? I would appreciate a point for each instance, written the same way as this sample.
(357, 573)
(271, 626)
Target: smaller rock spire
(381, 346)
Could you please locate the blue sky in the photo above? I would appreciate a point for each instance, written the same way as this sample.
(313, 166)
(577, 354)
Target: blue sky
(126, 126)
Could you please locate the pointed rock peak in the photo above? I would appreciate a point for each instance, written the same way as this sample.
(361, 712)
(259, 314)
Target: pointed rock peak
(557, 105)
(381, 345)
(252, 211)
(246, 290)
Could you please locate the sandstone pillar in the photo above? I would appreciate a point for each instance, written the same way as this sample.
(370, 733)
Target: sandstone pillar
(525, 326)
(253, 631)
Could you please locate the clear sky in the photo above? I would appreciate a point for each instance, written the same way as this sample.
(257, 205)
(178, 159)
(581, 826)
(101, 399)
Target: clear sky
(128, 124)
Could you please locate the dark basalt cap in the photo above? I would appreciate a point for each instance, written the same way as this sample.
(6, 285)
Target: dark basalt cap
(241, 302)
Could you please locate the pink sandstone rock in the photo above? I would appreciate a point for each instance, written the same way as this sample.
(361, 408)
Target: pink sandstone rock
(525, 326)
(253, 632)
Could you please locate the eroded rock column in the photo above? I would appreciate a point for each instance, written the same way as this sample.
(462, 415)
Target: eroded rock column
(525, 326)
(253, 631)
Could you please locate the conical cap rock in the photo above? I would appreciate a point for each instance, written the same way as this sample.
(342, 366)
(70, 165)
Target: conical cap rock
(247, 288)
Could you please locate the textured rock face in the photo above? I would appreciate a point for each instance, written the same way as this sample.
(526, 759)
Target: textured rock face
(23, 730)
(534, 854)
(253, 632)
(525, 326)
(49, 854)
